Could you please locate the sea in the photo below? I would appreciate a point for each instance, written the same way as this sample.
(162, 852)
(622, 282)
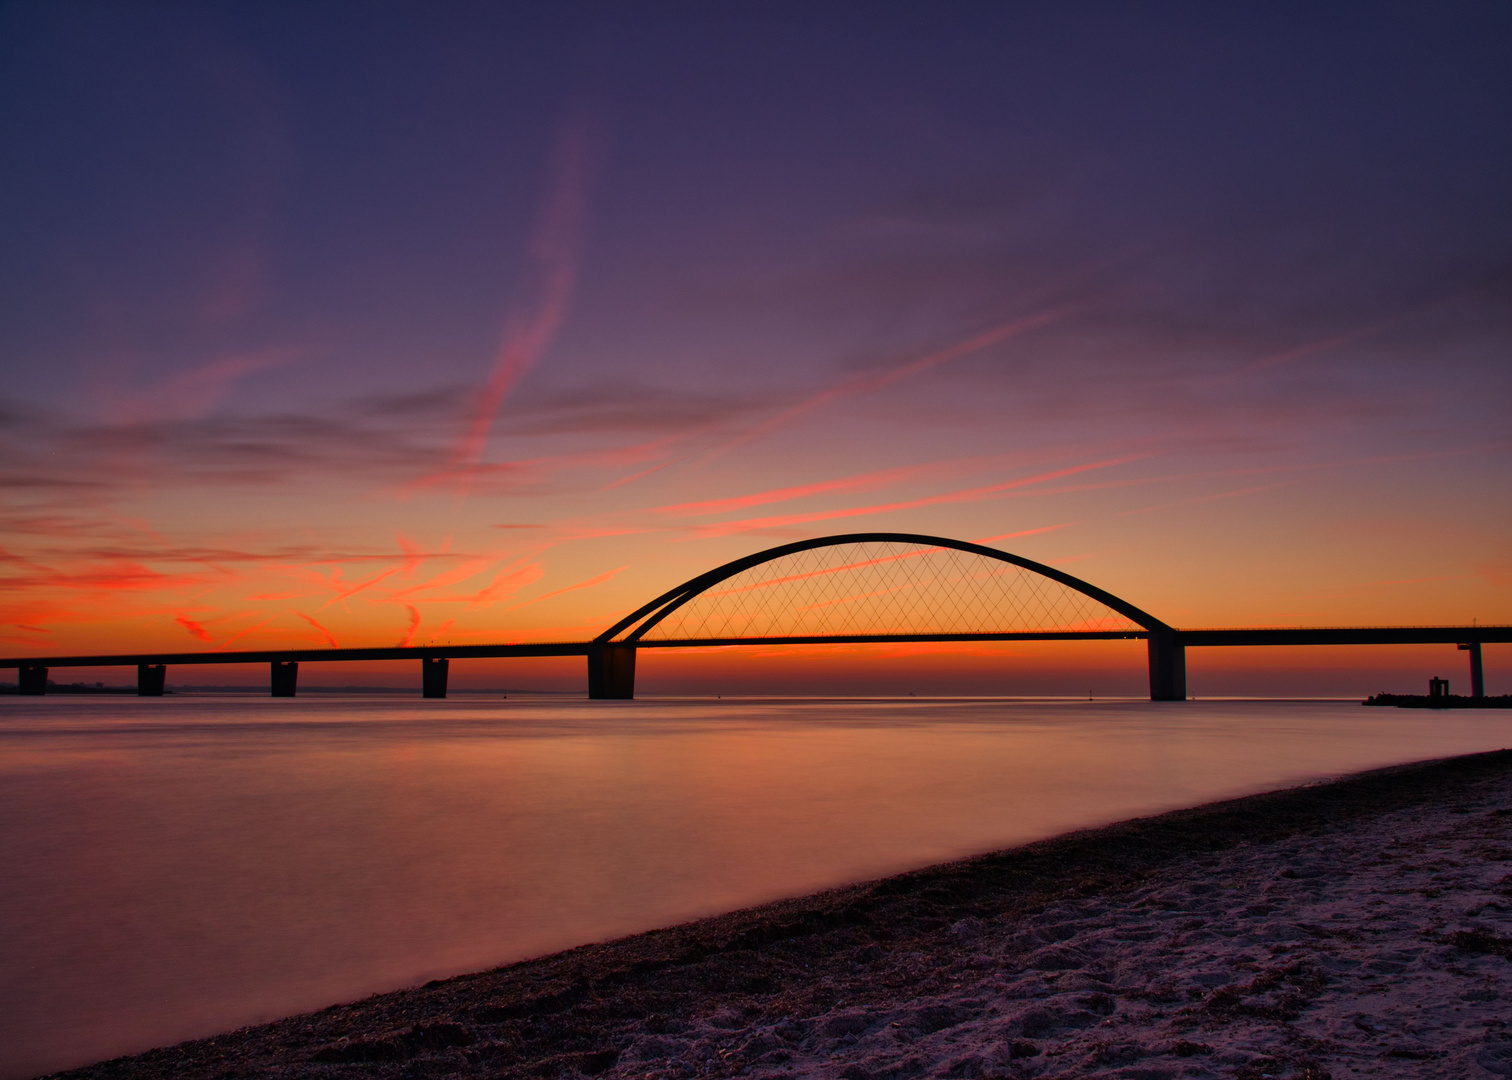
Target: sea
(174, 867)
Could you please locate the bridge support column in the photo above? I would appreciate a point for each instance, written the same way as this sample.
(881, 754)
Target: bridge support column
(433, 676)
(32, 679)
(611, 671)
(1167, 667)
(285, 677)
(150, 679)
(1477, 673)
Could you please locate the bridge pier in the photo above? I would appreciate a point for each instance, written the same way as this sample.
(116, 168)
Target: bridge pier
(151, 679)
(611, 671)
(1167, 667)
(433, 676)
(32, 679)
(1477, 672)
(285, 677)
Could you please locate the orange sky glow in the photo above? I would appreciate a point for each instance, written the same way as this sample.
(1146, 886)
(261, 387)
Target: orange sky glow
(321, 371)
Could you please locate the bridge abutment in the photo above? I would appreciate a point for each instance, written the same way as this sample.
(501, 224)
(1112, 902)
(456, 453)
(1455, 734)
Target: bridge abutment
(1167, 667)
(611, 672)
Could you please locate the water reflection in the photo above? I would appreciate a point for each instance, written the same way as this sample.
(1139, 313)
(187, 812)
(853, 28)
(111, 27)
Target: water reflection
(180, 866)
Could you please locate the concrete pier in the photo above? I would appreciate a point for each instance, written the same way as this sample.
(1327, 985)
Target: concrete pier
(1477, 672)
(611, 671)
(285, 677)
(1167, 667)
(433, 677)
(150, 679)
(32, 679)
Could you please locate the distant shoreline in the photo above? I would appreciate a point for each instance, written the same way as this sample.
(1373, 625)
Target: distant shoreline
(1252, 935)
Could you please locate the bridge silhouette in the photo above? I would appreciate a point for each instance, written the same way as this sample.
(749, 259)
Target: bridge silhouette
(846, 589)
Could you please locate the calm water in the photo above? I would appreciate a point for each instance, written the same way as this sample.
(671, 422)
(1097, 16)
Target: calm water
(179, 866)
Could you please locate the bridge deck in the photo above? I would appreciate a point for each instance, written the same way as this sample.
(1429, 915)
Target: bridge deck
(1345, 635)
(266, 656)
(611, 656)
(1294, 635)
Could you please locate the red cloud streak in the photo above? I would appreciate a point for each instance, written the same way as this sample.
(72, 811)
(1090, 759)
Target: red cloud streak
(862, 482)
(330, 637)
(858, 384)
(194, 628)
(599, 580)
(966, 495)
(555, 247)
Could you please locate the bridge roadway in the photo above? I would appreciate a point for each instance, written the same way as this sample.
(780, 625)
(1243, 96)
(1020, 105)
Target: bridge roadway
(611, 665)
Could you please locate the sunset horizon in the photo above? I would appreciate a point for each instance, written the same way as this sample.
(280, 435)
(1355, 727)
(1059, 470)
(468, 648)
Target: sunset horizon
(508, 378)
(755, 541)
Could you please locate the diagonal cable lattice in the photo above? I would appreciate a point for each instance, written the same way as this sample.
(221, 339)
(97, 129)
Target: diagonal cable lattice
(884, 588)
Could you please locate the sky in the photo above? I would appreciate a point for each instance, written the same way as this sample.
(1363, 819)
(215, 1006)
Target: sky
(376, 323)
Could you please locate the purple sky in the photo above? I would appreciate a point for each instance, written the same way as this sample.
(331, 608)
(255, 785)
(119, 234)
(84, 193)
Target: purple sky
(290, 290)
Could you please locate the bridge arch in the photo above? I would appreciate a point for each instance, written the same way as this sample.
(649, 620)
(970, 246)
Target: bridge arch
(881, 586)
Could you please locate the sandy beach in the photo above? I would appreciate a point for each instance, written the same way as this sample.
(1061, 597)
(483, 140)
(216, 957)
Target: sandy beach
(1361, 927)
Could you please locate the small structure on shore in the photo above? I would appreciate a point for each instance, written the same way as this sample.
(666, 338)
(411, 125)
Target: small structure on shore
(1443, 700)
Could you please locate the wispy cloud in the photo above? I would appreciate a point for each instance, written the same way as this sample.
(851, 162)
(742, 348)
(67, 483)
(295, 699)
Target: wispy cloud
(588, 584)
(638, 475)
(101, 577)
(1203, 499)
(194, 628)
(1332, 342)
(872, 381)
(469, 569)
(384, 575)
(52, 464)
(505, 584)
(529, 328)
(861, 482)
(191, 394)
(987, 491)
(223, 646)
(330, 638)
(1024, 532)
(414, 625)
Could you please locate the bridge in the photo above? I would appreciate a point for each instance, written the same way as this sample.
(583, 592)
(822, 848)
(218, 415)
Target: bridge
(847, 589)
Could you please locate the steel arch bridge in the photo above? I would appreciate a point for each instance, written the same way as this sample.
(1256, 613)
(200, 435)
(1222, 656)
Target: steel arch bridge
(879, 587)
(857, 587)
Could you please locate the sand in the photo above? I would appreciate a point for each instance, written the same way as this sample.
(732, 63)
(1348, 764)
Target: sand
(1357, 928)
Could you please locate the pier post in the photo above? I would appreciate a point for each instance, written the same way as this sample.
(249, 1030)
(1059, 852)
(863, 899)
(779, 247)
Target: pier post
(611, 671)
(1167, 667)
(150, 679)
(433, 676)
(32, 679)
(1477, 673)
(285, 677)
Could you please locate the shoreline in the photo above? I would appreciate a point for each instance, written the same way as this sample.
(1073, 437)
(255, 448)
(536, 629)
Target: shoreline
(1347, 928)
